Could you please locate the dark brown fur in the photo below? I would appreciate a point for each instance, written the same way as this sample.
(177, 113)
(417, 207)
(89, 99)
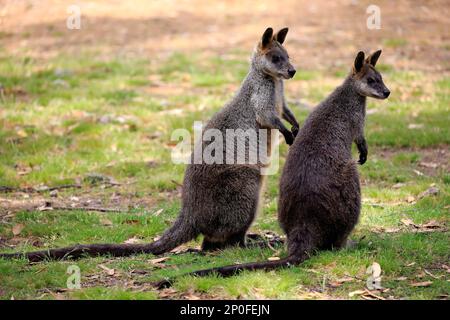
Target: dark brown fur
(319, 199)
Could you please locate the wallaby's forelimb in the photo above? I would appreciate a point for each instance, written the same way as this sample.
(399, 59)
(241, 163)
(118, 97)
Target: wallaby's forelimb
(361, 144)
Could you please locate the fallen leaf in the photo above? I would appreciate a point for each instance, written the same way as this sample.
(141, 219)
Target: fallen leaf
(339, 282)
(23, 170)
(168, 292)
(401, 279)
(398, 185)
(431, 275)
(132, 221)
(408, 222)
(385, 230)
(191, 296)
(109, 271)
(420, 275)
(371, 294)
(422, 284)
(415, 126)
(132, 240)
(22, 133)
(356, 293)
(17, 229)
(157, 213)
(273, 258)
(139, 271)
(430, 165)
(432, 191)
(158, 260)
(183, 249)
(45, 207)
(432, 224)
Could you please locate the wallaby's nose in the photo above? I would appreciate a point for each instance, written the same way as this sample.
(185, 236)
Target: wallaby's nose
(386, 93)
(291, 72)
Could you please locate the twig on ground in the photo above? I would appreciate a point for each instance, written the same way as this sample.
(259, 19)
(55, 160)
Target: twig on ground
(88, 209)
(7, 189)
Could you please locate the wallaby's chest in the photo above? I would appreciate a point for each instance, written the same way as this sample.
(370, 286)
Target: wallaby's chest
(278, 97)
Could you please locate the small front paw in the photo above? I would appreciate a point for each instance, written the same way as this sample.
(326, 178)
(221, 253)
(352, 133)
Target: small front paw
(289, 137)
(362, 159)
(294, 130)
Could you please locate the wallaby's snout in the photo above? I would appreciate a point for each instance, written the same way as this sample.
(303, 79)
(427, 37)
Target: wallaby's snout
(292, 72)
(386, 93)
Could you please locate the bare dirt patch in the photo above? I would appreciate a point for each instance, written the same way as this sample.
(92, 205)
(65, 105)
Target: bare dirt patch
(323, 33)
(432, 160)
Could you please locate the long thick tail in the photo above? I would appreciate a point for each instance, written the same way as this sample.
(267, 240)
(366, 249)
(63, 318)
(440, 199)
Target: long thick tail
(231, 270)
(179, 233)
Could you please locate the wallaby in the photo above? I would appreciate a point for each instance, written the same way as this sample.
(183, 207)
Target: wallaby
(319, 200)
(219, 201)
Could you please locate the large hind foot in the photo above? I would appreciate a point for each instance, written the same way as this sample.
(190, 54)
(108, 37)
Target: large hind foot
(234, 240)
(344, 243)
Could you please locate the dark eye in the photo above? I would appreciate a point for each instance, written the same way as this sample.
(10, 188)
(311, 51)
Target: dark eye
(370, 80)
(276, 59)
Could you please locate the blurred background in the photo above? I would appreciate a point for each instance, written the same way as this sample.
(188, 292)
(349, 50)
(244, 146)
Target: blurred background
(324, 34)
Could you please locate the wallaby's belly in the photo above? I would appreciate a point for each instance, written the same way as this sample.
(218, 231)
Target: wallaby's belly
(319, 190)
(222, 199)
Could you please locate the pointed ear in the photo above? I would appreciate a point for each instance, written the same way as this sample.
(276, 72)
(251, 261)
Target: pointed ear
(267, 37)
(373, 58)
(280, 36)
(359, 61)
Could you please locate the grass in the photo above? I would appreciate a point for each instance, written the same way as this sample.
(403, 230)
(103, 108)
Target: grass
(65, 118)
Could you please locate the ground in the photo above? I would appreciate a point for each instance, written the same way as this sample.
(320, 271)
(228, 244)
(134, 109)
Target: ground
(95, 108)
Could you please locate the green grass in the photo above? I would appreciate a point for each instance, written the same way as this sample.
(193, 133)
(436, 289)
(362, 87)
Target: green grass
(63, 119)
(395, 42)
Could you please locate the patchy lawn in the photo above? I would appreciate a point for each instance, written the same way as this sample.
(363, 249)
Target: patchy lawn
(82, 100)
(99, 124)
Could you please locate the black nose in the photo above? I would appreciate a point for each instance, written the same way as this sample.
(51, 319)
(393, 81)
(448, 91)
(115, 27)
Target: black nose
(386, 93)
(291, 72)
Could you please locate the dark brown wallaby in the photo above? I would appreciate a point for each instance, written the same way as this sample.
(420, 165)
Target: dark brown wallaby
(319, 199)
(219, 201)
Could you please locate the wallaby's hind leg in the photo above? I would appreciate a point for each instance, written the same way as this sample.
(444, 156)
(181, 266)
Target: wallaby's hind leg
(255, 237)
(237, 239)
(302, 243)
(344, 243)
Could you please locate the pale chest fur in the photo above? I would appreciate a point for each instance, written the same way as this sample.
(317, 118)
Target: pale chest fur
(279, 97)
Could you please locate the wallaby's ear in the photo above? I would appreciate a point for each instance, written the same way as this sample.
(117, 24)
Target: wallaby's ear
(280, 36)
(267, 37)
(373, 58)
(359, 61)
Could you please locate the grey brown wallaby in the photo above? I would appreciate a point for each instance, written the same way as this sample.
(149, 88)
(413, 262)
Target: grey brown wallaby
(319, 199)
(219, 201)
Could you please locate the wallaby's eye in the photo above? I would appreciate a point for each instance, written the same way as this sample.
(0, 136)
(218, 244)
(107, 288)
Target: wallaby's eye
(276, 59)
(370, 80)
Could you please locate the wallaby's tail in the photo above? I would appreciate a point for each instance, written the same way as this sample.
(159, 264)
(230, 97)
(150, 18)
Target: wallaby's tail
(231, 270)
(179, 233)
